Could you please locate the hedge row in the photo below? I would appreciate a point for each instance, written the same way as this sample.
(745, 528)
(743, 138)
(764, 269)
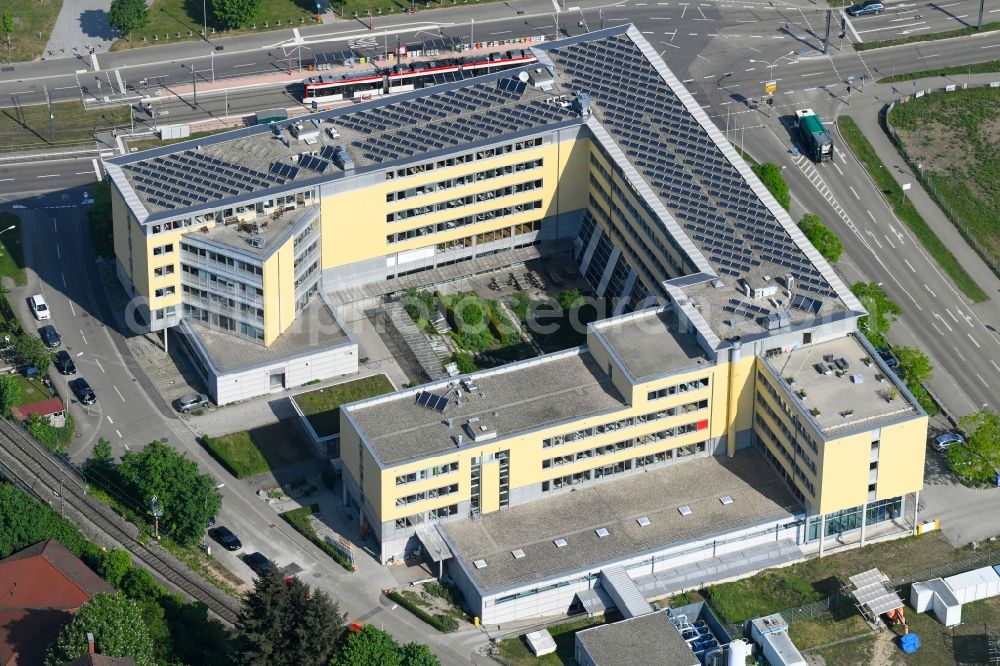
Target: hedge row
(443, 623)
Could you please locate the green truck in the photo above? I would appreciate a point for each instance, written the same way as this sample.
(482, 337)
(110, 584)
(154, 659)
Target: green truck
(817, 141)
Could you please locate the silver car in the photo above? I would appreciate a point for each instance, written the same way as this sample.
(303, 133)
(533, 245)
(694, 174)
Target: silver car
(942, 442)
(186, 403)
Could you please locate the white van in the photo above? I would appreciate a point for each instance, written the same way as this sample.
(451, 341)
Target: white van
(39, 308)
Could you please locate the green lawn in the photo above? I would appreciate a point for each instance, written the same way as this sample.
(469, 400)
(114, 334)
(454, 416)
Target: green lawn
(11, 254)
(978, 68)
(322, 406)
(251, 452)
(953, 137)
(516, 652)
(924, 36)
(774, 590)
(27, 126)
(905, 210)
(31, 390)
(33, 21)
(181, 20)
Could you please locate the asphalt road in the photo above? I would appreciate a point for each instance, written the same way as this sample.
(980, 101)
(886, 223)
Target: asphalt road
(902, 19)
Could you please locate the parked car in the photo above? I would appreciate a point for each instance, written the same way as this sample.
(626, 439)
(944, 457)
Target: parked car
(64, 363)
(226, 538)
(186, 403)
(39, 308)
(50, 336)
(83, 392)
(943, 441)
(865, 8)
(259, 563)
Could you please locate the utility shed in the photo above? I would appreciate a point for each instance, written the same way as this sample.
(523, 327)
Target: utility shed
(771, 633)
(647, 639)
(540, 642)
(974, 585)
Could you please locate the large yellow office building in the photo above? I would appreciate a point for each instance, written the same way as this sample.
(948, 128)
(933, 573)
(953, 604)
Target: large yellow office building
(728, 403)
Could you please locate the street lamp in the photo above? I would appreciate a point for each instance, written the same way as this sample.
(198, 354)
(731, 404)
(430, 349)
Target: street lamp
(770, 74)
(13, 226)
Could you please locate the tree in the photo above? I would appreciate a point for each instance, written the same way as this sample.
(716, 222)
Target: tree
(914, 366)
(112, 565)
(117, 626)
(7, 26)
(570, 299)
(770, 175)
(24, 522)
(881, 312)
(418, 654)
(235, 13)
(188, 499)
(10, 393)
(286, 624)
(101, 458)
(32, 352)
(468, 312)
(819, 234)
(978, 462)
(368, 647)
(127, 15)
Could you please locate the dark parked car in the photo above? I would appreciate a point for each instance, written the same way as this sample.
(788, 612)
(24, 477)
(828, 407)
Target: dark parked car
(865, 8)
(65, 364)
(49, 336)
(259, 563)
(226, 538)
(186, 403)
(83, 392)
(890, 360)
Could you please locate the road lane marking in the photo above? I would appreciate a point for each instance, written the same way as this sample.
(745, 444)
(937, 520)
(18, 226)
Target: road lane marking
(874, 239)
(99, 365)
(249, 64)
(811, 74)
(51, 175)
(81, 173)
(997, 367)
(837, 167)
(64, 280)
(58, 252)
(110, 421)
(854, 192)
(119, 433)
(871, 216)
(97, 169)
(72, 309)
(958, 353)
(974, 341)
(5, 180)
(982, 380)
(953, 317)
(119, 394)
(940, 332)
(929, 289)
(889, 241)
(909, 266)
(84, 337)
(939, 317)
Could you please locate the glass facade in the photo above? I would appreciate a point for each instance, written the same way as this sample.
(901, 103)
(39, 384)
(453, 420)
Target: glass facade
(850, 519)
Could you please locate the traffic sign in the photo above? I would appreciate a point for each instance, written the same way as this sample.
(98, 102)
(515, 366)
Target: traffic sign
(770, 87)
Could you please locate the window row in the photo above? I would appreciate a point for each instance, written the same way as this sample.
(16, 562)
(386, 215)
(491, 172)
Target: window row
(766, 434)
(430, 472)
(683, 387)
(789, 435)
(221, 259)
(490, 236)
(165, 291)
(780, 400)
(486, 153)
(160, 271)
(163, 249)
(427, 494)
(224, 303)
(624, 445)
(428, 516)
(602, 428)
(462, 221)
(224, 323)
(458, 181)
(467, 200)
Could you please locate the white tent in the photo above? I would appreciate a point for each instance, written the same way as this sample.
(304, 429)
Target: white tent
(974, 585)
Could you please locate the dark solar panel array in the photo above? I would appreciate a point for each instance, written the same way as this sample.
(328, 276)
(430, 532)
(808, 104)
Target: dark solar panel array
(191, 178)
(284, 170)
(317, 164)
(425, 124)
(704, 192)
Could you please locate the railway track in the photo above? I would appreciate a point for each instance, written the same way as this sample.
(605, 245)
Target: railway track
(50, 477)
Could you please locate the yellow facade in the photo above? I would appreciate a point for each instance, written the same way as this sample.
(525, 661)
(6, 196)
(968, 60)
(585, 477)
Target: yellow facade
(279, 292)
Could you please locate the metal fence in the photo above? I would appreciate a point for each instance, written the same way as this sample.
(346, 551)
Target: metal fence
(927, 183)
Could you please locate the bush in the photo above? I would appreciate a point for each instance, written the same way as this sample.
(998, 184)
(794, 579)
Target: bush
(465, 362)
(55, 439)
(570, 299)
(469, 313)
(299, 519)
(443, 623)
(501, 326)
(825, 241)
(770, 175)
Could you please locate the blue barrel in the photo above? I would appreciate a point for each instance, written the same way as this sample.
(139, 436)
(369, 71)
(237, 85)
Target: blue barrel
(909, 643)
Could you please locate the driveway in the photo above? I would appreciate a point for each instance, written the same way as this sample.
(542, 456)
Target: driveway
(82, 25)
(966, 514)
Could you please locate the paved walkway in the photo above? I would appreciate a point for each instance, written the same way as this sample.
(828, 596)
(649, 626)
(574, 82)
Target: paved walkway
(82, 25)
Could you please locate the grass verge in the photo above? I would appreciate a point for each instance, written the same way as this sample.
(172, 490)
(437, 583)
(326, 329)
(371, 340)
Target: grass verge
(11, 253)
(251, 452)
(516, 652)
(28, 126)
(905, 210)
(322, 406)
(299, 519)
(978, 68)
(926, 37)
(33, 21)
(440, 621)
(181, 21)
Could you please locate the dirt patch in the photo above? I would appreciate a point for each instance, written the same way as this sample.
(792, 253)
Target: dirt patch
(938, 148)
(885, 646)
